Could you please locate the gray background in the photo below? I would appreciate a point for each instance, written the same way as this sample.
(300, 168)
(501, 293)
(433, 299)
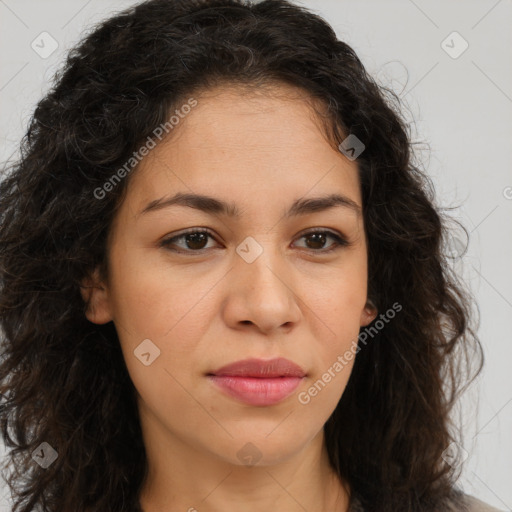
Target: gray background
(462, 111)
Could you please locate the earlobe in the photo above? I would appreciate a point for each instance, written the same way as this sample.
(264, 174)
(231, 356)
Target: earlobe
(95, 295)
(368, 314)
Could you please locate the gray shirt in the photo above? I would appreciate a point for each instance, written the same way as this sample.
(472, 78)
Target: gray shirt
(476, 505)
(473, 505)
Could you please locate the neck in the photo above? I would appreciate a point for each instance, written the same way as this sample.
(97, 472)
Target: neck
(184, 478)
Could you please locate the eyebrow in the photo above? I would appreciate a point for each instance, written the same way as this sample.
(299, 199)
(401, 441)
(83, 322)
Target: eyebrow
(213, 206)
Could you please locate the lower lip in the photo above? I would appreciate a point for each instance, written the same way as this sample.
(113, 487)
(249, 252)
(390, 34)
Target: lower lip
(257, 391)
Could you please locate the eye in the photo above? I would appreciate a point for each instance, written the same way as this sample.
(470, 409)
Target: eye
(195, 240)
(318, 238)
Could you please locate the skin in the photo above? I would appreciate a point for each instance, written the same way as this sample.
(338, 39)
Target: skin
(211, 307)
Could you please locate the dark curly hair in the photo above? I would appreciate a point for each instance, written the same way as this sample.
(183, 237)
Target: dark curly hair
(116, 86)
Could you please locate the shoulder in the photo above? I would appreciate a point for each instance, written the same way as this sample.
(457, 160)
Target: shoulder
(462, 502)
(475, 505)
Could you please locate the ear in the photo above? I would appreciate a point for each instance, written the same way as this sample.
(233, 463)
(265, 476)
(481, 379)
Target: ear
(368, 314)
(95, 295)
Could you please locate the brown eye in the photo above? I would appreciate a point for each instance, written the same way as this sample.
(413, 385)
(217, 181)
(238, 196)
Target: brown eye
(318, 238)
(196, 240)
(191, 241)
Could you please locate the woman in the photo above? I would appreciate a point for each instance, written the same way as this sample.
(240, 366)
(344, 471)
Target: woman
(179, 334)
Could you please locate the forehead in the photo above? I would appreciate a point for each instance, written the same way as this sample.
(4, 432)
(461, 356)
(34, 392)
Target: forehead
(276, 117)
(239, 143)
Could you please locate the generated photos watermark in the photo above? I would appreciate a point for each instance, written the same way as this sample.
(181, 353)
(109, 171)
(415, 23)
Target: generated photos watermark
(343, 360)
(137, 156)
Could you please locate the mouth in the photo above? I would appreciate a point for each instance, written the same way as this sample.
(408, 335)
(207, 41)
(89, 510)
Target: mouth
(258, 382)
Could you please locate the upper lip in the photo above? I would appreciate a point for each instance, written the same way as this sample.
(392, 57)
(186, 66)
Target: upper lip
(279, 367)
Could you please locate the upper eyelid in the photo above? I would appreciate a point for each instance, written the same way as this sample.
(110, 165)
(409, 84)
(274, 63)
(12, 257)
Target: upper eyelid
(306, 231)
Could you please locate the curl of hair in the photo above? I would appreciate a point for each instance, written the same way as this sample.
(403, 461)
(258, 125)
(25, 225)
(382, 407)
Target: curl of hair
(63, 379)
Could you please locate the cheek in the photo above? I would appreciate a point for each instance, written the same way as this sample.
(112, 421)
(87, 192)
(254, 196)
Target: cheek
(155, 300)
(169, 308)
(325, 389)
(338, 297)
(337, 307)
(156, 313)
(335, 350)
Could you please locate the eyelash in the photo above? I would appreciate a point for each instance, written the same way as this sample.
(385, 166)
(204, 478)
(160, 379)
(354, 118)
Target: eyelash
(340, 241)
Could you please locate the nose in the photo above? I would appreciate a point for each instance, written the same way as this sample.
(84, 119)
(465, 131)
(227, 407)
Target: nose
(262, 294)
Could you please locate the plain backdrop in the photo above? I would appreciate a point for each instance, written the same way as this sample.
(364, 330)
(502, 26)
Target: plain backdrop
(450, 63)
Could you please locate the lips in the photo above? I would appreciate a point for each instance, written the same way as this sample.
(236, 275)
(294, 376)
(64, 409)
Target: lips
(258, 382)
(279, 367)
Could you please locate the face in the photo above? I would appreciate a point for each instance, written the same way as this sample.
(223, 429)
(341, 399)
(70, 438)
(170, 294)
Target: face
(280, 279)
